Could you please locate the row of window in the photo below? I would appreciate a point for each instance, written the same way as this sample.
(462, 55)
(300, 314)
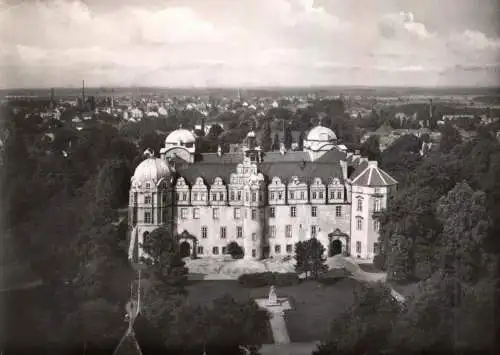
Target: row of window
(277, 249)
(376, 204)
(272, 229)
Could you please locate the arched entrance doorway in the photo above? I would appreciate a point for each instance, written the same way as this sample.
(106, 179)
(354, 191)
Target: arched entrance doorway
(185, 249)
(338, 243)
(335, 247)
(188, 244)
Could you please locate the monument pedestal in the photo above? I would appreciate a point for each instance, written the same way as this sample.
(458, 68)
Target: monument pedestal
(276, 306)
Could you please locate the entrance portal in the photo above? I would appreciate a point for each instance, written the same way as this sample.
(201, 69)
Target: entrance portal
(335, 247)
(185, 249)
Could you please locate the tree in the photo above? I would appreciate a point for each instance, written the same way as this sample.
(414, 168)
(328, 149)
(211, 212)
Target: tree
(215, 131)
(466, 222)
(363, 328)
(266, 142)
(450, 137)
(164, 261)
(287, 137)
(371, 148)
(301, 140)
(235, 250)
(310, 257)
(276, 142)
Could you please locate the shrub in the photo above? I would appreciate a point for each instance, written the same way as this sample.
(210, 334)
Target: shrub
(268, 278)
(235, 250)
(333, 276)
(379, 261)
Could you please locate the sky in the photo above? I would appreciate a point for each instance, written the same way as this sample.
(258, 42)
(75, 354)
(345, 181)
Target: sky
(242, 43)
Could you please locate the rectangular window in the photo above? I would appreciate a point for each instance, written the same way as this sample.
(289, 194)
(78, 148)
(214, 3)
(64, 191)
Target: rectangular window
(164, 199)
(291, 195)
(202, 196)
(359, 224)
(237, 213)
(313, 231)
(360, 205)
(332, 195)
(320, 195)
(247, 196)
(302, 195)
(239, 195)
(232, 195)
(277, 248)
(215, 213)
(254, 215)
(272, 231)
(184, 196)
(177, 196)
(339, 195)
(293, 211)
(164, 216)
(184, 213)
(272, 212)
(195, 196)
(376, 205)
(376, 226)
(358, 247)
(314, 195)
(254, 253)
(338, 211)
(289, 248)
(223, 250)
(254, 236)
(239, 232)
(222, 232)
(280, 196)
(214, 196)
(147, 200)
(221, 196)
(135, 197)
(147, 217)
(314, 211)
(254, 196)
(288, 231)
(272, 196)
(376, 248)
(199, 250)
(196, 213)
(215, 250)
(204, 232)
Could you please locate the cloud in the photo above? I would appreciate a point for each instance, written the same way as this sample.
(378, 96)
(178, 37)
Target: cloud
(398, 25)
(262, 42)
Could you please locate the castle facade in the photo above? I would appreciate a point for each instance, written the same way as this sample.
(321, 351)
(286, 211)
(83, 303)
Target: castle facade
(264, 201)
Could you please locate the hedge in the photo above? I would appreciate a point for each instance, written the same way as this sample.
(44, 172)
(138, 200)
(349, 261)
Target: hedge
(333, 276)
(269, 278)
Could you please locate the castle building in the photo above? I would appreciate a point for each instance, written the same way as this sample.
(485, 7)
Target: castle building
(264, 201)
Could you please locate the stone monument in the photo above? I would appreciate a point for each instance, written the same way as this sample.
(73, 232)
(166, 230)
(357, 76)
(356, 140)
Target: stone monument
(276, 307)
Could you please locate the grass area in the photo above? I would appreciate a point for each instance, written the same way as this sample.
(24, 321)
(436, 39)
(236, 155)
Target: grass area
(314, 305)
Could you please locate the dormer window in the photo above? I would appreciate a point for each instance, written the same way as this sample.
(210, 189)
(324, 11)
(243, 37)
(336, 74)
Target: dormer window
(148, 185)
(314, 195)
(291, 195)
(339, 195)
(147, 200)
(221, 196)
(302, 195)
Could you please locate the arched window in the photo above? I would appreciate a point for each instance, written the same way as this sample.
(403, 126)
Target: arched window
(359, 223)
(359, 205)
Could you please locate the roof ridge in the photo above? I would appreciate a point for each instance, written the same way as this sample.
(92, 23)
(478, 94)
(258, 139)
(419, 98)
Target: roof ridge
(385, 181)
(361, 174)
(370, 174)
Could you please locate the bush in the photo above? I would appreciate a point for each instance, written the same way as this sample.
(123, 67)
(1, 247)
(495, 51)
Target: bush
(235, 250)
(379, 261)
(263, 279)
(333, 276)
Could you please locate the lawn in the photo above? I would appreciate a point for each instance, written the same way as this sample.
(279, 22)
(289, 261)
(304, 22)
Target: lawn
(314, 306)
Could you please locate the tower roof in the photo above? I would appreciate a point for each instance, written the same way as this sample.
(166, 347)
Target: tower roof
(369, 174)
(321, 134)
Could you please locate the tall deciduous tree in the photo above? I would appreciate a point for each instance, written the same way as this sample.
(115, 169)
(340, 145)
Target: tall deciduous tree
(371, 148)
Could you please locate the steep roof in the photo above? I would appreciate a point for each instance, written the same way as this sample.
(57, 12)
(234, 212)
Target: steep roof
(292, 163)
(369, 174)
